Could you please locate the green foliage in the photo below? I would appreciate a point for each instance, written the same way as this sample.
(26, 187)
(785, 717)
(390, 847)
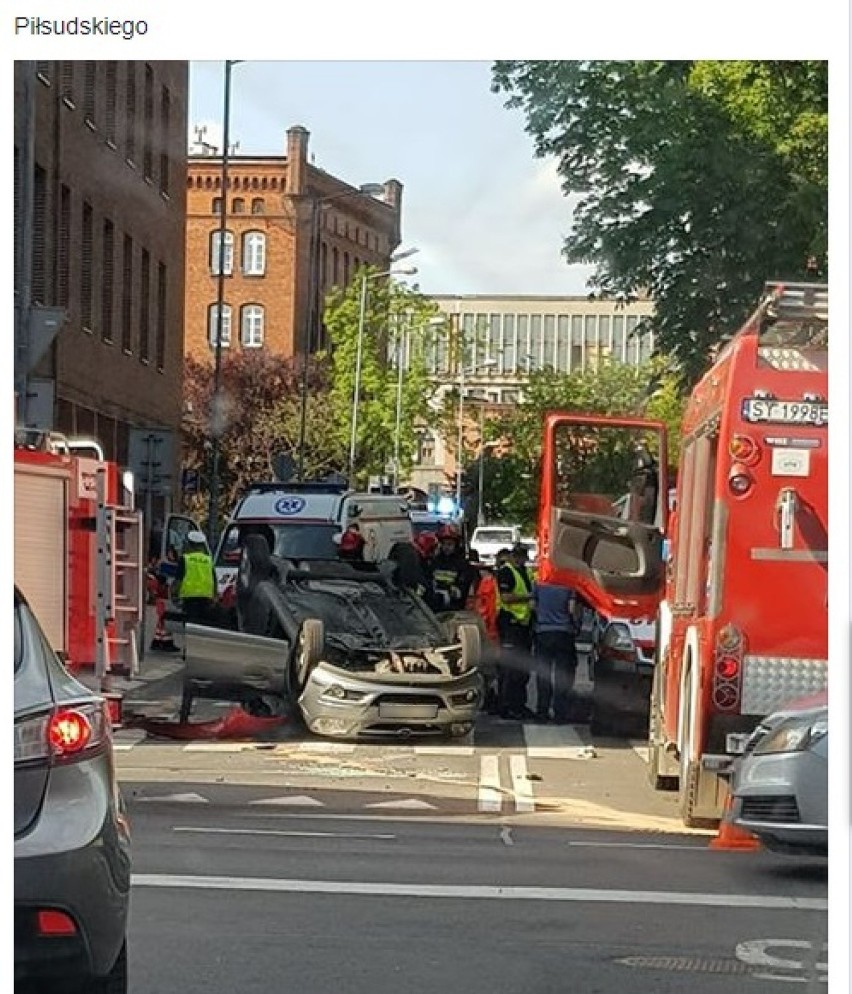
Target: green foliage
(697, 181)
(391, 310)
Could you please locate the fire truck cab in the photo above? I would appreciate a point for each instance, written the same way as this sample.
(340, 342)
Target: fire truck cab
(743, 626)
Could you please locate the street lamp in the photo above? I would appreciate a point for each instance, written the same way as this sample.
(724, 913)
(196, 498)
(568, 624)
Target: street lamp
(487, 364)
(313, 308)
(483, 445)
(217, 413)
(432, 323)
(362, 313)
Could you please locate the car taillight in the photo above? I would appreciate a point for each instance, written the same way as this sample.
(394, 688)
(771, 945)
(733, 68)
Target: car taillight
(727, 667)
(63, 734)
(52, 922)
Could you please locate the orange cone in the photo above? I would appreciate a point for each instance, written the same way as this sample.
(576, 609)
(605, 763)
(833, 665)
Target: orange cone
(731, 837)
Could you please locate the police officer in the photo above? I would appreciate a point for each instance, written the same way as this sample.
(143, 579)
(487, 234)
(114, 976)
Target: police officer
(195, 583)
(514, 622)
(452, 573)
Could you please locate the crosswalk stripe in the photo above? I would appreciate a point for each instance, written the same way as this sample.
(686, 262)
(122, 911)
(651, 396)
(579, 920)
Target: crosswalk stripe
(489, 797)
(521, 785)
(447, 750)
(343, 748)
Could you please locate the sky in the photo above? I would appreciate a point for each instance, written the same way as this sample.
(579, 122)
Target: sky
(487, 216)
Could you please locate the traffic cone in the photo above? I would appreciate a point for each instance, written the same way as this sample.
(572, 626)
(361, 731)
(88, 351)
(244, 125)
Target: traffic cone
(163, 640)
(731, 837)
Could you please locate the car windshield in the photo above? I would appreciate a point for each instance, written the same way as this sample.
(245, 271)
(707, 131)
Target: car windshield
(290, 541)
(503, 535)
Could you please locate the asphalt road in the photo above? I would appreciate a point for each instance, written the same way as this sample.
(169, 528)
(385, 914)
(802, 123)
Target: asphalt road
(234, 897)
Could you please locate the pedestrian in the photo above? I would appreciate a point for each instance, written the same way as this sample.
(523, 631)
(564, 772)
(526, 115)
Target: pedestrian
(555, 650)
(514, 622)
(195, 583)
(452, 573)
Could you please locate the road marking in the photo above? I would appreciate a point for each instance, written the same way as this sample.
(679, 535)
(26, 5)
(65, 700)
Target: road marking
(407, 804)
(447, 750)
(490, 796)
(554, 742)
(178, 798)
(506, 836)
(219, 746)
(304, 802)
(521, 784)
(278, 831)
(635, 845)
(479, 891)
(125, 740)
(641, 749)
(811, 967)
(343, 748)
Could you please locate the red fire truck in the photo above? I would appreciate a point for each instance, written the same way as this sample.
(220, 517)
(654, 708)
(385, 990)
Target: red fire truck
(742, 621)
(78, 552)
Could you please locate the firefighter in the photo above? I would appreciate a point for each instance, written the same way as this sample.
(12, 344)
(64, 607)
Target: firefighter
(484, 601)
(195, 583)
(453, 574)
(514, 621)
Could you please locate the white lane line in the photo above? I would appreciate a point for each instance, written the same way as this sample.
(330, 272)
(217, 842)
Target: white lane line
(490, 797)
(301, 801)
(521, 784)
(178, 798)
(447, 750)
(479, 891)
(127, 740)
(219, 746)
(407, 804)
(636, 845)
(553, 742)
(279, 831)
(342, 748)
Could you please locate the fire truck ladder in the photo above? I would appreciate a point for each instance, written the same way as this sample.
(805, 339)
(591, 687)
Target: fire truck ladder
(119, 603)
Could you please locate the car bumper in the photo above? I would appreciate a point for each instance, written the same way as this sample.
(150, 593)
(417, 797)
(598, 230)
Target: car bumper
(391, 705)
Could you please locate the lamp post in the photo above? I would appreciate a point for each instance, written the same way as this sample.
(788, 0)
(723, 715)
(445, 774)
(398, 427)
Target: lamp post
(216, 414)
(432, 323)
(483, 445)
(313, 309)
(362, 314)
(488, 364)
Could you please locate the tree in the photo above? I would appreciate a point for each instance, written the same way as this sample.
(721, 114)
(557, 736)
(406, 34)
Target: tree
(260, 420)
(393, 313)
(697, 181)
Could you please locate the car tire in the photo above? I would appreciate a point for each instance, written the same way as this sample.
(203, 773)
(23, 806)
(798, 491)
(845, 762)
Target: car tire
(115, 982)
(309, 650)
(186, 699)
(471, 646)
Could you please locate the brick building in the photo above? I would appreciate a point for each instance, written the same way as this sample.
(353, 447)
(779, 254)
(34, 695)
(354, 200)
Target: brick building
(270, 204)
(107, 230)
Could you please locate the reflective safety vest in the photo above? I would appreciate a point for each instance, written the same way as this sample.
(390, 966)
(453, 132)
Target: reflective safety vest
(198, 579)
(521, 611)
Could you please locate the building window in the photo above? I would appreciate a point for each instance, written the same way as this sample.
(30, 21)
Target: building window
(346, 266)
(161, 316)
(215, 253)
(43, 72)
(127, 295)
(107, 282)
(165, 139)
(238, 206)
(254, 253)
(109, 107)
(217, 205)
(549, 341)
(335, 267)
(426, 449)
(508, 363)
(258, 205)
(86, 268)
(89, 78)
(64, 247)
(212, 325)
(38, 282)
(148, 108)
(66, 82)
(130, 111)
(251, 326)
(618, 337)
(145, 308)
(523, 360)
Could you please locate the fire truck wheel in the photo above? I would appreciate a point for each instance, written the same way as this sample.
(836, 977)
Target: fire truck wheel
(688, 797)
(657, 780)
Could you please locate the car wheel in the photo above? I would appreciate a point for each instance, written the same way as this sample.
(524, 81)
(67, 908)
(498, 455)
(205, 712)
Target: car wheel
(309, 650)
(186, 700)
(471, 646)
(115, 982)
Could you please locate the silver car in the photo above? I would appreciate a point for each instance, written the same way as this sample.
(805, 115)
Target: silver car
(72, 843)
(779, 785)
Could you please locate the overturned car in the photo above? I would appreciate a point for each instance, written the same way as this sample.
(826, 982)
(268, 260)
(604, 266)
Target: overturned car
(355, 651)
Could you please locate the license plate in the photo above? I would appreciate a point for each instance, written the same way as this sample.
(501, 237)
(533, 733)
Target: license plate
(403, 711)
(784, 412)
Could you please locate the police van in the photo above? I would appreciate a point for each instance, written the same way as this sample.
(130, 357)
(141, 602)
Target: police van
(304, 521)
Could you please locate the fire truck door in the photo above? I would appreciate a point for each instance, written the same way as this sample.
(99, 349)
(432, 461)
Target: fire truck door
(41, 523)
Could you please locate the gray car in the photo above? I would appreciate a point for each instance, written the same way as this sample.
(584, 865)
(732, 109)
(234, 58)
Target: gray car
(72, 843)
(353, 649)
(779, 785)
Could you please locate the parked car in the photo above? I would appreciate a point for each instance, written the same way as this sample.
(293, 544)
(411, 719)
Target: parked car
(621, 666)
(354, 650)
(72, 843)
(488, 540)
(779, 783)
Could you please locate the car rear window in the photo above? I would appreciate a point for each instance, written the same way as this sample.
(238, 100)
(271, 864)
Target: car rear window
(495, 535)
